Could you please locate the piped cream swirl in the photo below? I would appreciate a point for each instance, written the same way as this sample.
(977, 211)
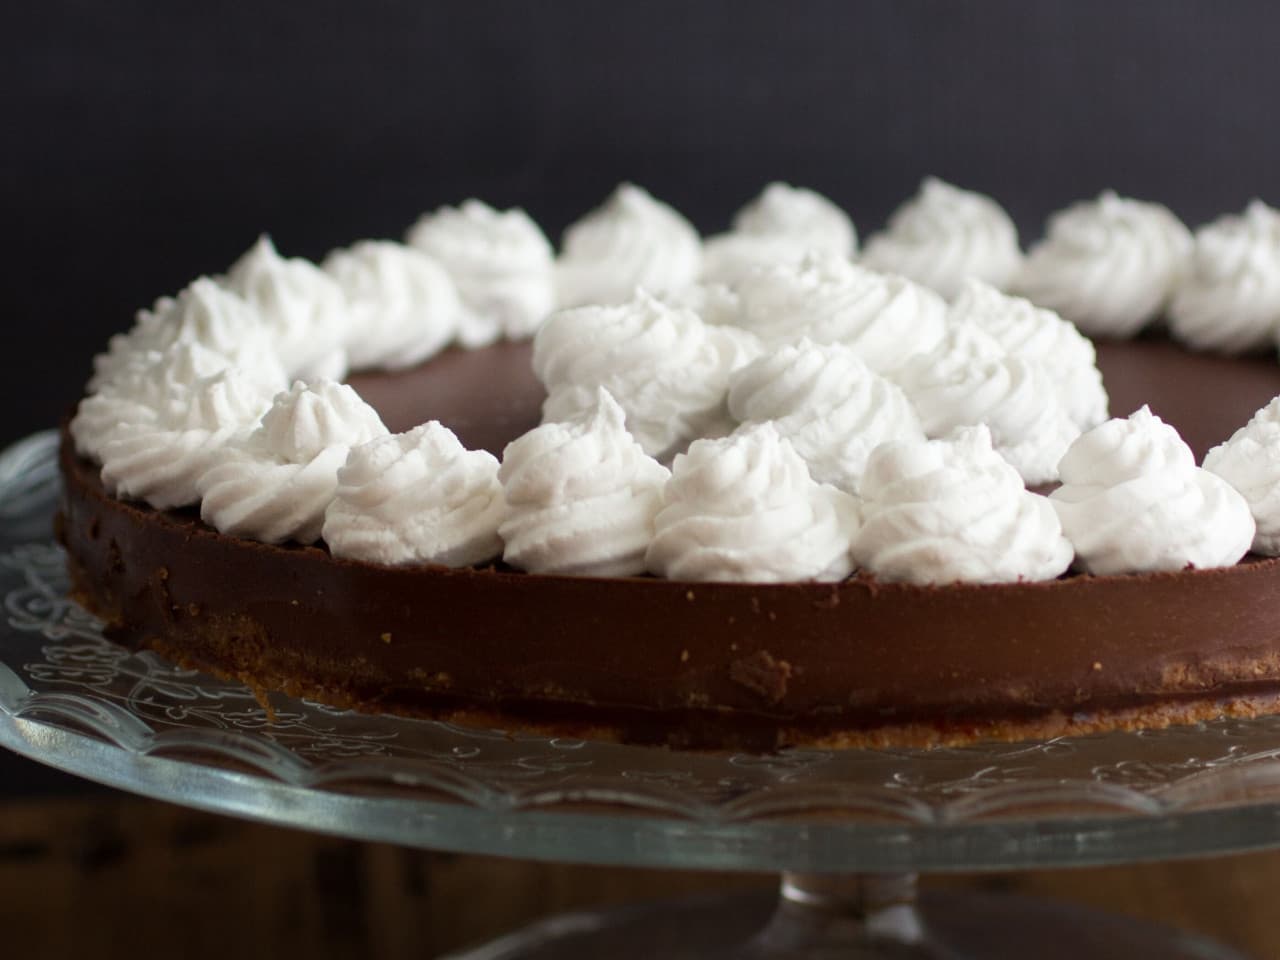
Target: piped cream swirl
(1024, 330)
(631, 241)
(301, 306)
(163, 461)
(1250, 462)
(782, 210)
(205, 314)
(779, 226)
(968, 378)
(729, 258)
(667, 369)
(1133, 500)
(745, 508)
(714, 303)
(501, 262)
(941, 511)
(416, 497)
(832, 407)
(944, 236)
(884, 319)
(581, 496)
(1107, 265)
(276, 484)
(1228, 300)
(152, 388)
(401, 305)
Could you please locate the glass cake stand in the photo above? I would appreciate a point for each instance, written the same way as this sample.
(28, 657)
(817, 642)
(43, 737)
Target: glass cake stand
(848, 830)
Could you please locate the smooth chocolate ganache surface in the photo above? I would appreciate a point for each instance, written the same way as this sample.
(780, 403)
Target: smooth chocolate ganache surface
(731, 665)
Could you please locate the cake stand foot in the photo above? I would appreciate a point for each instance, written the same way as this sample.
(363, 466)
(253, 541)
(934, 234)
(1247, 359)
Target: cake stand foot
(844, 916)
(855, 917)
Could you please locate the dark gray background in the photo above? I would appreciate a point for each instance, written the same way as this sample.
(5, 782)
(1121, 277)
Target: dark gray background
(144, 144)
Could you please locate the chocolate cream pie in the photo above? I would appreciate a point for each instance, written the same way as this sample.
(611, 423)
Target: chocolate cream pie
(781, 499)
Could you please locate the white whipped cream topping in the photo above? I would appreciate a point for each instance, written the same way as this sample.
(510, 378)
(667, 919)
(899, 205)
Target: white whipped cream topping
(162, 461)
(144, 335)
(832, 407)
(1250, 462)
(1229, 299)
(631, 241)
(729, 258)
(968, 378)
(581, 496)
(204, 314)
(153, 387)
(884, 319)
(744, 508)
(501, 262)
(779, 226)
(715, 303)
(276, 484)
(941, 511)
(302, 307)
(667, 369)
(808, 216)
(943, 236)
(402, 307)
(416, 497)
(1107, 265)
(1067, 357)
(1133, 500)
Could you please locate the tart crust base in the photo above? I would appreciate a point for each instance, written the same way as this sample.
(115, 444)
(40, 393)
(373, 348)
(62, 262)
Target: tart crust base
(688, 665)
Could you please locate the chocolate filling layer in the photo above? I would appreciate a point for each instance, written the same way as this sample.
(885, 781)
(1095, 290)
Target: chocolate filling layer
(733, 665)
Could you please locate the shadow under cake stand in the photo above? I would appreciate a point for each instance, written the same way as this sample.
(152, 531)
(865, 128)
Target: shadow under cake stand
(848, 831)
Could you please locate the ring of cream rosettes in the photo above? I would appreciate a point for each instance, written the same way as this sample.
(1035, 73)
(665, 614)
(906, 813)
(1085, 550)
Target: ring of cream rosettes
(761, 405)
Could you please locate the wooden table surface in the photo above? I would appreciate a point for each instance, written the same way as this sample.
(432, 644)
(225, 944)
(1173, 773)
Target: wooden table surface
(109, 875)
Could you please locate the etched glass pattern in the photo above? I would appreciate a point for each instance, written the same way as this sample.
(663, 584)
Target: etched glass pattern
(75, 700)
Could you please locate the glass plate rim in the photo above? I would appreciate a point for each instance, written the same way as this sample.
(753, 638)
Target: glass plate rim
(996, 825)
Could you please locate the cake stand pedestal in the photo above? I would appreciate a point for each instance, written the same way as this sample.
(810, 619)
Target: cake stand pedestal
(848, 926)
(847, 830)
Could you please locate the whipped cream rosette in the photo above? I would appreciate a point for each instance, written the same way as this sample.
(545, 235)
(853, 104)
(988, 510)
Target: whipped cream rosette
(832, 407)
(207, 315)
(154, 387)
(667, 369)
(884, 319)
(401, 305)
(581, 496)
(779, 226)
(1041, 336)
(1133, 500)
(1250, 462)
(715, 303)
(162, 461)
(728, 258)
(301, 307)
(276, 483)
(941, 511)
(968, 378)
(1107, 265)
(631, 241)
(745, 508)
(1228, 300)
(944, 236)
(501, 262)
(416, 497)
(782, 210)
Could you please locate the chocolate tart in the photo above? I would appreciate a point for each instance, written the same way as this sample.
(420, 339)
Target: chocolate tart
(696, 664)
